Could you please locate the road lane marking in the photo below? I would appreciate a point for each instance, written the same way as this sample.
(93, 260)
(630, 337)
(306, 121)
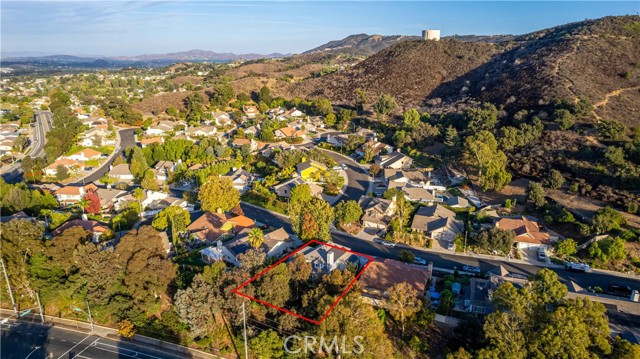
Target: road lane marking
(136, 353)
(85, 348)
(65, 353)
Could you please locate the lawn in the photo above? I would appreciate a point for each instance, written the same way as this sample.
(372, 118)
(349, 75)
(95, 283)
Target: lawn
(102, 149)
(192, 259)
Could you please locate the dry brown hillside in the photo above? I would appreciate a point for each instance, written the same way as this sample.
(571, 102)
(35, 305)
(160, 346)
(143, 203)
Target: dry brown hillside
(410, 71)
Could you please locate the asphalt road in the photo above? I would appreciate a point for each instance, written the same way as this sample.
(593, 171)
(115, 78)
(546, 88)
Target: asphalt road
(42, 125)
(20, 341)
(358, 183)
(444, 260)
(127, 139)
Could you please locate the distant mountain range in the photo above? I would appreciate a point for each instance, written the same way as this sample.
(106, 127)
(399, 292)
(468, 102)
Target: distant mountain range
(139, 60)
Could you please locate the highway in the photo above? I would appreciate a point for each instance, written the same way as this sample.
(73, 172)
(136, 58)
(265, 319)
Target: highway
(127, 139)
(43, 124)
(38, 341)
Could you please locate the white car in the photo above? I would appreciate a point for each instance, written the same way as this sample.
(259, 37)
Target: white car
(471, 269)
(420, 261)
(388, 244)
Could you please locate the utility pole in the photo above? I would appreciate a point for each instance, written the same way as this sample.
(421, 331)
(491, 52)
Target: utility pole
(40, 307)
(244, 318)
(6, 277)
(466, 233)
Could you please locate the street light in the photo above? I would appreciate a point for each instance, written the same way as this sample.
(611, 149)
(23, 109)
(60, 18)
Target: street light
(82, 311)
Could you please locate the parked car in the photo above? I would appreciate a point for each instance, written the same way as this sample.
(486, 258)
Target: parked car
(471, 269)
(451, 245)
(619, 290)
(577, 267)
(542, 256)
(420, 261)
(388, 244)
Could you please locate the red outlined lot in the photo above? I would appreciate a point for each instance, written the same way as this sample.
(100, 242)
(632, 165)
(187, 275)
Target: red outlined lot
(324, 316)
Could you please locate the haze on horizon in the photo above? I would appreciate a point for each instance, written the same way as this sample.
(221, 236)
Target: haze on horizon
(119, 28)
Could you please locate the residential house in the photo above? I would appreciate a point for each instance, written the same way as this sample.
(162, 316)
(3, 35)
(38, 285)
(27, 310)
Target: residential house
(309, 169)
(204, 131)
(417, 194)
(375, 148)
(399, 178)
(241, 179)
(252, 130)
(284, 189)
(455, 177)
(325, 259)
(211, 226)
(337, 140)
(222, 118)
(477, 296)
(293, 112)
(275, 244)
(86, 154)
(437, 222)
(110, 199)
(529, 234)
(163, 169)
(377, 212)
(7, 145)
(289, 132)
(457, 202)
(163, 127)
(69, 195)
(382, 274)
(96, 229)
(71, 165)
(303, 126)
(394, 160)
(121, 173)
(275, 112)
(148, 141)
(250, 110)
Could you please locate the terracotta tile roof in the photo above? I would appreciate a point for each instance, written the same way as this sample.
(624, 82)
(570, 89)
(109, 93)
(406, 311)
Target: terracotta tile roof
(527, 231)
(147, 141)
(241, 222)
(383, 274)
(89, 152)
(90, 225)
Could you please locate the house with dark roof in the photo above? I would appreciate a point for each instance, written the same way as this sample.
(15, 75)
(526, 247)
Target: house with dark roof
(377, 211)
(437, 222)
(121, 173)
(241, 179)
(395, 160)
(274, 245)
(284, 189)
(325, 259)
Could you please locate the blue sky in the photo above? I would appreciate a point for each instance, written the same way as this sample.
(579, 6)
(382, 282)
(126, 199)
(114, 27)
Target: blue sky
(131, 28)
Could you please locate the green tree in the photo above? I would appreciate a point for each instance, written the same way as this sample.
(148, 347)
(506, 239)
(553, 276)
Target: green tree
(615, 155)
(268, 344)
(256, 237)
(404, 303)
(536, 195)
(218, 193)
(194, 107)
(481, 150)
(322, 106)
(407, 256)
(411, 118)
(566, 247)
(555, 179)
(267, 135)
(607, 219)
(547, 288)
(149, 181)
(138, 165)
(330, 119)
(564, 119)
(173, 217)
(264, 95)
(484, 118)
(385, 105)
(496, 239)
(610, 130)
(62, 173)
(348, 212)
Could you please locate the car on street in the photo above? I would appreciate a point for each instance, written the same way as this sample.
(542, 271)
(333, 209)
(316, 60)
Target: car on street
(542, 256)
(388, 244)
(420, 261)
(471, 269)
(577, 267)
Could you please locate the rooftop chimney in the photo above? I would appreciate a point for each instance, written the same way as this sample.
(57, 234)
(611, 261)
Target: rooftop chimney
(330, 259)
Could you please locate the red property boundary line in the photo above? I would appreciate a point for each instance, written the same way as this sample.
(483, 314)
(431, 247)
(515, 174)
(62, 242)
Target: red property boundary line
(324, 316)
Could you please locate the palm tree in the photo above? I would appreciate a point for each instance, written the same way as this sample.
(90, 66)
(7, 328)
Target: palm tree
(83, 204)
(138, 194)
(256, 237)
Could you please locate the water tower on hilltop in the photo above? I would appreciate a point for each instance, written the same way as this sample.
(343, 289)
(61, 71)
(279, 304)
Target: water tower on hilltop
(431, 35)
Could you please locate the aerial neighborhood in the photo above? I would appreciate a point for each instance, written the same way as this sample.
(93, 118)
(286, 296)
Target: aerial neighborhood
(211, 206)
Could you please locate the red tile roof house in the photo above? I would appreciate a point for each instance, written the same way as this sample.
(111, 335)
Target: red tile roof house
(210, 226)
(86, 154)
(95, 227)
(69, 195)
(529, 235)
(383, 274)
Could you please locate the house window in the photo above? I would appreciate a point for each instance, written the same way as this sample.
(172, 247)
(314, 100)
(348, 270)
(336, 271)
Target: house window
(480, 310)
